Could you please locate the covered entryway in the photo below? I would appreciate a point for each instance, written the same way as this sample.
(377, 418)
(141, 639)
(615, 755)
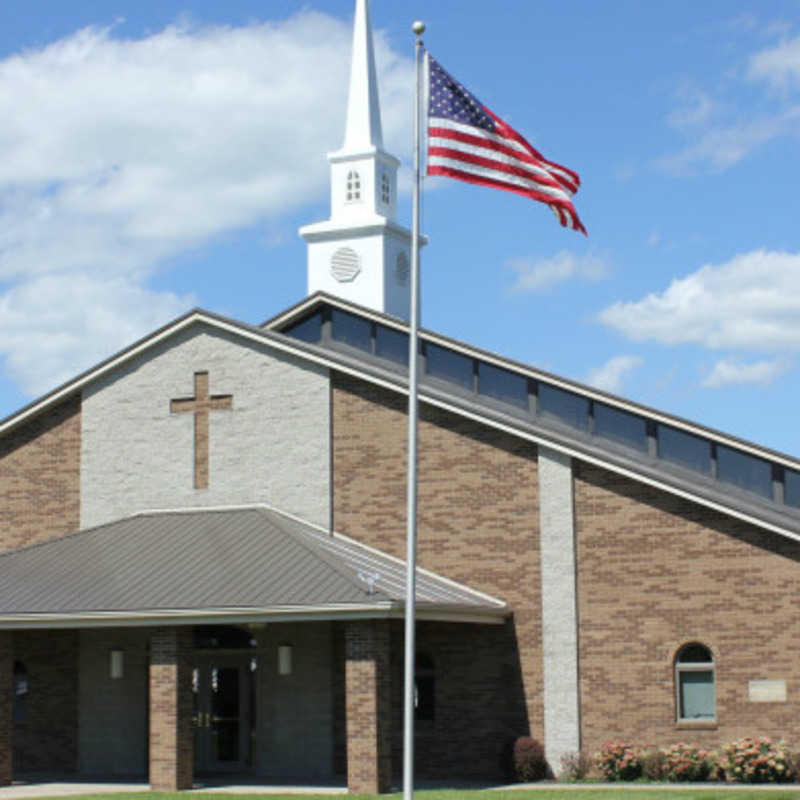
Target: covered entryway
(244, 642)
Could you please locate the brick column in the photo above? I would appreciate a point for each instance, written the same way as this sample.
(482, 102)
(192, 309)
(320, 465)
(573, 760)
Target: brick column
(368, 706)
(6, 706)
(171, 734)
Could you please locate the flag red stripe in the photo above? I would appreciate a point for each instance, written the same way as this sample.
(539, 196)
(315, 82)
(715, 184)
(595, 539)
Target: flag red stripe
(507, 131)
(481, 180)
(489, 144)
(499, 166)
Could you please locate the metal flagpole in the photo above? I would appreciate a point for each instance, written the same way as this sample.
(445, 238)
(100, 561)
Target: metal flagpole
(411, 505)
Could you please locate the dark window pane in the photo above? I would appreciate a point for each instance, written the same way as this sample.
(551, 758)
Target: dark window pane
(227, 637)
(502, 385)
(352, 330)
(391, 344)
(791, 487)
(684, 449)
(744, 470)
(564, 406)
(695, 654)
(308, 329)
(611, 423)
(448, 365)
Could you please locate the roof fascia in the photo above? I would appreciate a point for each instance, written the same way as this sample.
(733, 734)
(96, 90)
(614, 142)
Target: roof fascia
(211, 616)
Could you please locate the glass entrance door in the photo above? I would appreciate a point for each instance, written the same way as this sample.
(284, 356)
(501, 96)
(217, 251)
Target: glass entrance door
(220, 688)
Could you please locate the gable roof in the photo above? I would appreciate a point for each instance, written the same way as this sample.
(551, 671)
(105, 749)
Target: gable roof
(765, 513)
(237, 564)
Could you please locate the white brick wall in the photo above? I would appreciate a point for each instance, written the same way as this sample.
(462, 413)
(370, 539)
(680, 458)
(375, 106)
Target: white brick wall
(272, 447)
(559, 618)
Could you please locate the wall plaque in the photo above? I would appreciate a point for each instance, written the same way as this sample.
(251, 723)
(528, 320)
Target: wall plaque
(767, 691)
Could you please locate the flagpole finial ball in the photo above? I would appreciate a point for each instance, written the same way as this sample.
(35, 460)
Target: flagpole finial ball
(418, 28)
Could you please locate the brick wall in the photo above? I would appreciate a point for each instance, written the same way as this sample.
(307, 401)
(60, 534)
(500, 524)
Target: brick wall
(655, 572)
(171, 734)
(40, 477)
(368, 703)
(478, 524)
(474, 697)
(46, 737)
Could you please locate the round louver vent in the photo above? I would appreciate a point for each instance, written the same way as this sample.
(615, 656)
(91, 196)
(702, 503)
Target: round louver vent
(401, 269)
(345, 264)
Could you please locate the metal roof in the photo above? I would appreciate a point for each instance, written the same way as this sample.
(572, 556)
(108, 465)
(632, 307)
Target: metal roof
(195, 565)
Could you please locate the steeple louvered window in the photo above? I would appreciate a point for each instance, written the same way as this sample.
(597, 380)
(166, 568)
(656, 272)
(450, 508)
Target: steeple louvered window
(353, 186)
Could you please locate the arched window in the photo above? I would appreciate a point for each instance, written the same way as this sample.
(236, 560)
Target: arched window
(353, 186)
(386, 189)
(694, 683)
(20, 704)
(424, 688)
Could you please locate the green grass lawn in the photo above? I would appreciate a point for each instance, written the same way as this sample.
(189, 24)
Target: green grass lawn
(618, 792)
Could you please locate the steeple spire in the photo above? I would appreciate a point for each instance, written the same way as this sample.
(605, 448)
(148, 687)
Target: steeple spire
(361, 253)
(363, 131)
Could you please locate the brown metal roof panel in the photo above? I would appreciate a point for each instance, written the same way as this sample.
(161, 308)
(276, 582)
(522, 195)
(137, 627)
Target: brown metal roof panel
(207, 559)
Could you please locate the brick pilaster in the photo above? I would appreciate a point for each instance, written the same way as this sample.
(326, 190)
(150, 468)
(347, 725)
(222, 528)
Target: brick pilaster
(6, 706)
(171, 734)
(368, 706)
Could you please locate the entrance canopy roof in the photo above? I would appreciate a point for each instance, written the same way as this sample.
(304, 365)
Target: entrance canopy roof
(222, 565)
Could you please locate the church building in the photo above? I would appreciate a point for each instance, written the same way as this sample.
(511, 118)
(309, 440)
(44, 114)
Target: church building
(202, 545)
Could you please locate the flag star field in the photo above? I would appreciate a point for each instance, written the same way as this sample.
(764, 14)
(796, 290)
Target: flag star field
(162, 154)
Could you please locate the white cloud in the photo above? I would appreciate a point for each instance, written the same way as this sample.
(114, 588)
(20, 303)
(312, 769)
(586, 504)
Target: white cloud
(779, 65)
(722, 147)
(751, 302)
(609, 376)
(68, 322)
(719, 135)
(539, 274)
(116, 155)
(695, 107)
(730, 371)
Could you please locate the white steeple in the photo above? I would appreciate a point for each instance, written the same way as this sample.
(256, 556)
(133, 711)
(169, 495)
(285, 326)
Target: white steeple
(361, 254)
(363, 129)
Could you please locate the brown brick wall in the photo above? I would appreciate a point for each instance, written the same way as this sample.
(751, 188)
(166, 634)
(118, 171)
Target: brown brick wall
(6, 703)
(475, 693)
(171, 734)
(46, 737)
(368, 704)
(40, 477)
(655, 572)
(478, 524)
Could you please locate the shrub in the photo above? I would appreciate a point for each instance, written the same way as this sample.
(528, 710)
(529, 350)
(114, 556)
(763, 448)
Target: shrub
(529, 761)
(757, 761)
(685, 762)
(619, 762)
(653, 764)
(574, 766)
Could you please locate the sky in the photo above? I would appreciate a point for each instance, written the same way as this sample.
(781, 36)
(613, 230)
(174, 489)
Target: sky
(156, 156)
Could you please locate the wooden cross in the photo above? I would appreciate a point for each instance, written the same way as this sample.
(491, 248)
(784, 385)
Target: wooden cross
(200, 405)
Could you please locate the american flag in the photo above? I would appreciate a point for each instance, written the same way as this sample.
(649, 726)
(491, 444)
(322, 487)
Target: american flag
(467, 141)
